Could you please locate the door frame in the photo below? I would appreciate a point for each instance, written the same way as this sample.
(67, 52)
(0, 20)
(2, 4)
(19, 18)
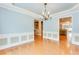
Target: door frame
(68, 39)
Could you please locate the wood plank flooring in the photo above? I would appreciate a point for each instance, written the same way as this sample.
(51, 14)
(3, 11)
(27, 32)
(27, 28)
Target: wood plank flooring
(45, 47)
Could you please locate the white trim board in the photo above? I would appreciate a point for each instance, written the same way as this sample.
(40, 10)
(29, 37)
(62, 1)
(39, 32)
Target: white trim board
(11, 40)
(72, 10)
(19, 10)
(13, 45)
(9, 6)
(75, 38)
(51, 36)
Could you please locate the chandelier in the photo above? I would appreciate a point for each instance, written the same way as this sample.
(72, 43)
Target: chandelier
(45, 13)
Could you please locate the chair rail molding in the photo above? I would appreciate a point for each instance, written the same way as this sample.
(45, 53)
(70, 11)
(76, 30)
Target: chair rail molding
(10, 40)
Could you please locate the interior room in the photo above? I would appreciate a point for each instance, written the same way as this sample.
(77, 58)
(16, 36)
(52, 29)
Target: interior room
(39, 28)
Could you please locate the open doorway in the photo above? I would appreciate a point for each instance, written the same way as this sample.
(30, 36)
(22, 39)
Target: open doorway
(65, 30)
(38, 31)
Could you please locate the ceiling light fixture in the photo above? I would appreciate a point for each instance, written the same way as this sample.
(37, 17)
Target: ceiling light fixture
(45, 13)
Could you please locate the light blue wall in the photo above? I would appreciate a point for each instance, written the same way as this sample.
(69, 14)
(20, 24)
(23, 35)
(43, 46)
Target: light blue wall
(76, 22)
(51, 25)
(13, 22)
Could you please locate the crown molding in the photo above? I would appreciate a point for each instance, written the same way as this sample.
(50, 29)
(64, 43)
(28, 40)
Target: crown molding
(11, 7)
(74, 8)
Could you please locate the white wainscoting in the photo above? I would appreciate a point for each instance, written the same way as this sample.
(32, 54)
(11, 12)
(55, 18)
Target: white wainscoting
(51, 35)
(10, 40)
(75, 38)
(69, 37)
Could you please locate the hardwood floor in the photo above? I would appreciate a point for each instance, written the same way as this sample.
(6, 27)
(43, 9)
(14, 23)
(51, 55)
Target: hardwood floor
(47, 47)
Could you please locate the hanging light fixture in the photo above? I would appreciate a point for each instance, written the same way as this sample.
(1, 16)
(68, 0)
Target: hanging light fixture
(45, 13)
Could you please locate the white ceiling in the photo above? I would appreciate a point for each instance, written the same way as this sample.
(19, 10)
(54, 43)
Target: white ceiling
(52, 7)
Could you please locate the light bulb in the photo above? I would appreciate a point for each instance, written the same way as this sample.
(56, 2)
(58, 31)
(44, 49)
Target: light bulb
(48, 12)
(42, 13)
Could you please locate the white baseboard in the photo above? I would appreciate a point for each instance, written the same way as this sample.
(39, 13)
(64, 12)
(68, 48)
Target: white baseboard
(10, 40)
(51, 36)
(75, 38)
(48, 35)
(16, 44)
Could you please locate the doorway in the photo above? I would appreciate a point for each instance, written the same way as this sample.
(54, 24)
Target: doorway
(38, 31)
(65, 30)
